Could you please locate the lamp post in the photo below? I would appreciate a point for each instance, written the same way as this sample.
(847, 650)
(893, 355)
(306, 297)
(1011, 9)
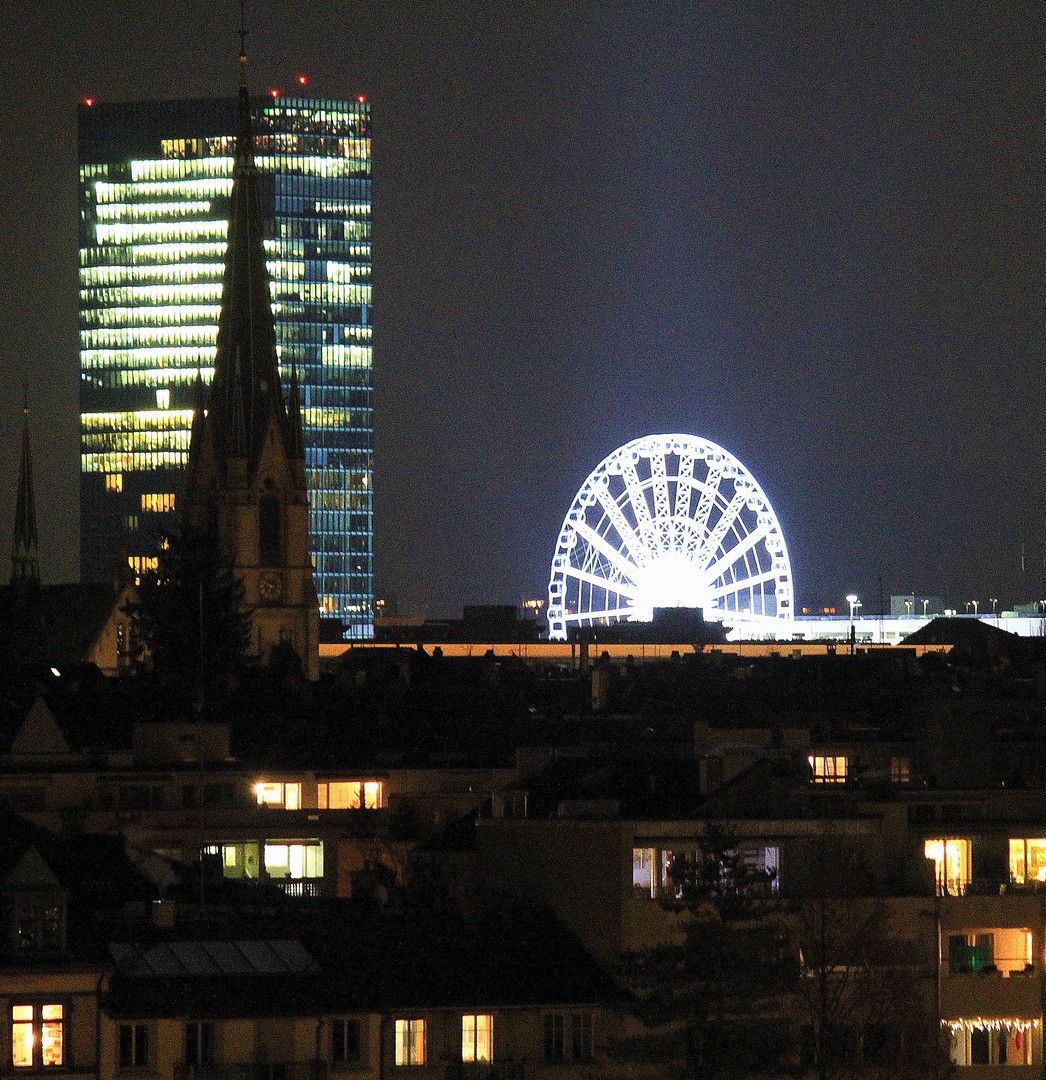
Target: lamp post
(975, 603)
(854, 602)
(994, 600)
(926, 604)
(908, 609)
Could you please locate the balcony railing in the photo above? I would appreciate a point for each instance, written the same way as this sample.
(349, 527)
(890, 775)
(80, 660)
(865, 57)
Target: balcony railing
(251, 1070)
(300, 887)
(484, 1070)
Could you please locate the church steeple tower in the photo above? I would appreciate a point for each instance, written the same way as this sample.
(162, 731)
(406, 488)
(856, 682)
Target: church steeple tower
(246, 481)
(25, 554)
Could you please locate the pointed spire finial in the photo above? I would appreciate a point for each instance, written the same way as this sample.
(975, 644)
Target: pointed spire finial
(243, 44)
(25, 555)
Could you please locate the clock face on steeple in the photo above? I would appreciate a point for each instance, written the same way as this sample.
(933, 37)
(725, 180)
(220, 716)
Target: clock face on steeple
(270, 586)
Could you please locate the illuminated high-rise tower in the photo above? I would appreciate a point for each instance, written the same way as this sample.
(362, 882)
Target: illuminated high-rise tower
(155, 182)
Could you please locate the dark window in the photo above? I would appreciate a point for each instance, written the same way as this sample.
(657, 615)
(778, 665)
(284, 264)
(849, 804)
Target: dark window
(555, 1026)
(980, 1052)
(134, 1046)
(270, 545)
(557, 1048)
(39, 928)
(199, 1043)
(581, 1036)
(346, 1046)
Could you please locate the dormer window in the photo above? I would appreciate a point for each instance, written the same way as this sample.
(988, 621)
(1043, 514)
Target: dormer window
(39, 927)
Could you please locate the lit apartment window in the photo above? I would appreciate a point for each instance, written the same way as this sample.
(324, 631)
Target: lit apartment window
(294, 859)
(287, 796)
(346, 1043)
(951, 859)
(477, 1038)
(644, 879)
(900, 770)
(1027, 861)
(992, 1042)
(134, 1046)
(410, 1042)
(37, 1036)
(828, 769)
(560, 1025)
(350, 795)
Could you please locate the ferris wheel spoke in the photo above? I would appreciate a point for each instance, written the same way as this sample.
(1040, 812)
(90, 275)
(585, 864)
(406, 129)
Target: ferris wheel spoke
(659, 478)
(633, 544)
(587, 616)
(684, 486)
(743, 585)
(709, 491)
(616, 559)
(636, 495)
(621, 587)
(720, 565)
(722, 526)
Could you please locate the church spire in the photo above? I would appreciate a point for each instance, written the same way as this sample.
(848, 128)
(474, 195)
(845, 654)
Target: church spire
(25, 555)
(246, 498)
(245, 393)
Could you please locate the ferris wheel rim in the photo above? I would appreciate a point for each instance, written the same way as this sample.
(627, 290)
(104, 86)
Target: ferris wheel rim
(729, 546)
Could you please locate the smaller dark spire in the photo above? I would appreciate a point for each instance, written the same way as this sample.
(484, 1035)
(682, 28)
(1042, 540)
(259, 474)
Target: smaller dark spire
(25, 553)
(295, 439)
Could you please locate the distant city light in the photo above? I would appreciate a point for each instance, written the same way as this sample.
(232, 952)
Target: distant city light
(89, 101)
(274, 93)
(303, 80)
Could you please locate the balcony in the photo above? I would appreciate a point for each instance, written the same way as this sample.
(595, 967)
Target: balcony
(484, 1070)
(250, 1070)
(992, 993)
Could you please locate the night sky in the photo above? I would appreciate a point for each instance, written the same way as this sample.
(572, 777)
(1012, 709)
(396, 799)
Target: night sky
(812, 233)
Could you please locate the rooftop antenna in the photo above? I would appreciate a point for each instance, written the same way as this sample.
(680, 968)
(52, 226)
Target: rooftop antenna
(243, 29)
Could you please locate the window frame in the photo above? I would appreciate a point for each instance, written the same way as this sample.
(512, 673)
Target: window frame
(573, 1042)
(139, 1045)
(477, 1038)
(205, 1042)
(829, 768)
(411, 1042)
(341, 1042)
(37, 1021)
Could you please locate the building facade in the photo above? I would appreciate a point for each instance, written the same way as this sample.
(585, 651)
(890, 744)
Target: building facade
(155, 189)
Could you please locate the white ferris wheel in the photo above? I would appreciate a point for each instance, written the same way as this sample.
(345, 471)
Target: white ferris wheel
(670, 521)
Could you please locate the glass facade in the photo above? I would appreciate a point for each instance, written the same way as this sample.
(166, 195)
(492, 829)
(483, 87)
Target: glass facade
(155, 179)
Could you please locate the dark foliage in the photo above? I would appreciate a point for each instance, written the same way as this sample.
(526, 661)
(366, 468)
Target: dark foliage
(190, 625)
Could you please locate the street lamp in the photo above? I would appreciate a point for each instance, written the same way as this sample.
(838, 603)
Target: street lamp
(854, 602)
(926, 603)
(995, 605)
(908, 608)
(975, 603)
